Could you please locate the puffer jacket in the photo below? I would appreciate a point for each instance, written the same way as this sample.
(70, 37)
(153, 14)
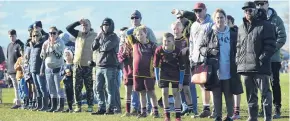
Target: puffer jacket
(35, 62)
(255, 47)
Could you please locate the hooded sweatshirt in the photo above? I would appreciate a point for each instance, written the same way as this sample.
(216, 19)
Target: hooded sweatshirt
(106, 46)
(224, 52)
(197, 33)
(53, 55)
(13, 53)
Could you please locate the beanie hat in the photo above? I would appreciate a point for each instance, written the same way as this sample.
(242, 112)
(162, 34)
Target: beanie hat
(67, 51)
(38, 24)
(136, 13)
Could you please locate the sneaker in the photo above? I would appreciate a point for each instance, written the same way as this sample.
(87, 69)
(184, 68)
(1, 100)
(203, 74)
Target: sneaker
(90, 109)
(236, 116)
(184, 112)
(15, 107)
(277, 112)
(126, 115)
(205, 113)
(134, 112)
(142, 115)
(78, 109)
(227, 119)
(99, 112)
(177, 119)
(156, 115)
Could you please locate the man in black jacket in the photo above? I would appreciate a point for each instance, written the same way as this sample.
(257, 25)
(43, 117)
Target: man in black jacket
(38, 25)
(106, 46)
(13, 53)
(255, 46)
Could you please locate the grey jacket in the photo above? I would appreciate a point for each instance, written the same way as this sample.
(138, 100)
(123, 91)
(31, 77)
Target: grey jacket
(280, 33)
(255, 47)
(53, 54)
(35, 62)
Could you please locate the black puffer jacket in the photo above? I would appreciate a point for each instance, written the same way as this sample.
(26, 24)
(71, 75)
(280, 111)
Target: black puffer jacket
(255, 46)
(107, 46)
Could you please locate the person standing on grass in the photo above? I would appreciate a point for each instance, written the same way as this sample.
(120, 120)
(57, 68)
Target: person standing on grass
(51, 53)
(82, 71)
(67, 72)
(36, 68)
(125, 57)
(255, 47)
(199, 29)
(219, 49)
(13, 52)
(106, 46)
(237, 98)
(143, 51)
(275, 20)
(169, 68)
(136, 18)
(188, 93)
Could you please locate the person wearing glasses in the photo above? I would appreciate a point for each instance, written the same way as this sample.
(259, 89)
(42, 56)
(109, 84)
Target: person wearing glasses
(106, 46)
(36, 67)
(136, 18)
(199, 29)
(275, 20)
(52, 54)
(12, 54)
(82, 71)
(255, 47)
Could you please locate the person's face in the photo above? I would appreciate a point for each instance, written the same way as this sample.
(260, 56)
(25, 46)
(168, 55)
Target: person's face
(35, 37)
(220, 19)
(141, 36)
(168, 43)
(136, 21)
(68, 56)
(53, 34)
(85, 27)
(249, 13)
(177, 28)
(105, 27)
(13, 37)
(262, 4)
(200, 13)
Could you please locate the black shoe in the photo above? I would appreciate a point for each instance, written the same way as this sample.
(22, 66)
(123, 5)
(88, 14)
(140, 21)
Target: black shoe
(109, 112)
(277, 112)
(218, 119)
(99, 112)
(53, 105)
(142, 115)
(15, 107)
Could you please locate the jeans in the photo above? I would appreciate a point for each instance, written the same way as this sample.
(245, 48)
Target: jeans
(53, 79)
(136, 103)
(275, 83)
(106, 82)
(40, 85)
(193, 96)
(15, 86)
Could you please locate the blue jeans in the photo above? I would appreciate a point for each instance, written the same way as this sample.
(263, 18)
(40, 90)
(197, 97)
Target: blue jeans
(40, 85)
(106, 82)
(118, 98)
(136, 104)
(53, 81)
(193, 98)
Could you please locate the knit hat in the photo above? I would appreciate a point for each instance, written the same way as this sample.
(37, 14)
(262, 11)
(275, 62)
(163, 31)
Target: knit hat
(38, 24)
(67, 51)
(136, 13)
(12, 32)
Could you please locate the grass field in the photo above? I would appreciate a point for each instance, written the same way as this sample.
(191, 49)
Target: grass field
(6, 114)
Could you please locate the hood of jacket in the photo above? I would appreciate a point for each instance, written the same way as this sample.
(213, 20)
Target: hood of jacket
(271, 13)
(111, 24)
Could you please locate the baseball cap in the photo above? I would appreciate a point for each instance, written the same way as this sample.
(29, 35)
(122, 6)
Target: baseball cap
(249, 4)
(199, 6)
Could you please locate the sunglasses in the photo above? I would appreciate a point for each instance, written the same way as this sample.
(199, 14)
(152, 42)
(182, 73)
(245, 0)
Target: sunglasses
(35, 35)
(260, 3)
(250, 10)
(197, 10)
(52, 33)
(134, 18)
(180, 17)
(105, 24)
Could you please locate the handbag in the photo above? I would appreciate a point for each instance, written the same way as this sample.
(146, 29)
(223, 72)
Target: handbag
(201, 72)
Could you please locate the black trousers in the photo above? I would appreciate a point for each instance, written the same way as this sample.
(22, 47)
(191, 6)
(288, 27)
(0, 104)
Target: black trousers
(275, 83)
(69, 91)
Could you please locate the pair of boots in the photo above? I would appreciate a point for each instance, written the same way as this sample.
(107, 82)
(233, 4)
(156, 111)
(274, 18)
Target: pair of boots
(42, 104)
(56, 106)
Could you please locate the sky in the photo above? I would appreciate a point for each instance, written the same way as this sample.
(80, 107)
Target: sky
(157, 15)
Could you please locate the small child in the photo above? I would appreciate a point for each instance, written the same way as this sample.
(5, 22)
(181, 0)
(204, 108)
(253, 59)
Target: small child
(23, 89)
(29, 82)
(67, 73)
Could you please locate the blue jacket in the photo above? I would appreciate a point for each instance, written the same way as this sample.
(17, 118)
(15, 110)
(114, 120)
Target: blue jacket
(35, 61)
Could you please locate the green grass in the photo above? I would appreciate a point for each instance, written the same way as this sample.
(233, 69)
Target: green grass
(7, 114)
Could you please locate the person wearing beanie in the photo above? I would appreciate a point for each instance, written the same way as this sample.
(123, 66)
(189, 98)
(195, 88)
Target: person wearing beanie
(255, 47)
(67, 73)
(82, 71)
(13, 53)
(275, 20)
(199, 29)
(136, 18)
(38, 25)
